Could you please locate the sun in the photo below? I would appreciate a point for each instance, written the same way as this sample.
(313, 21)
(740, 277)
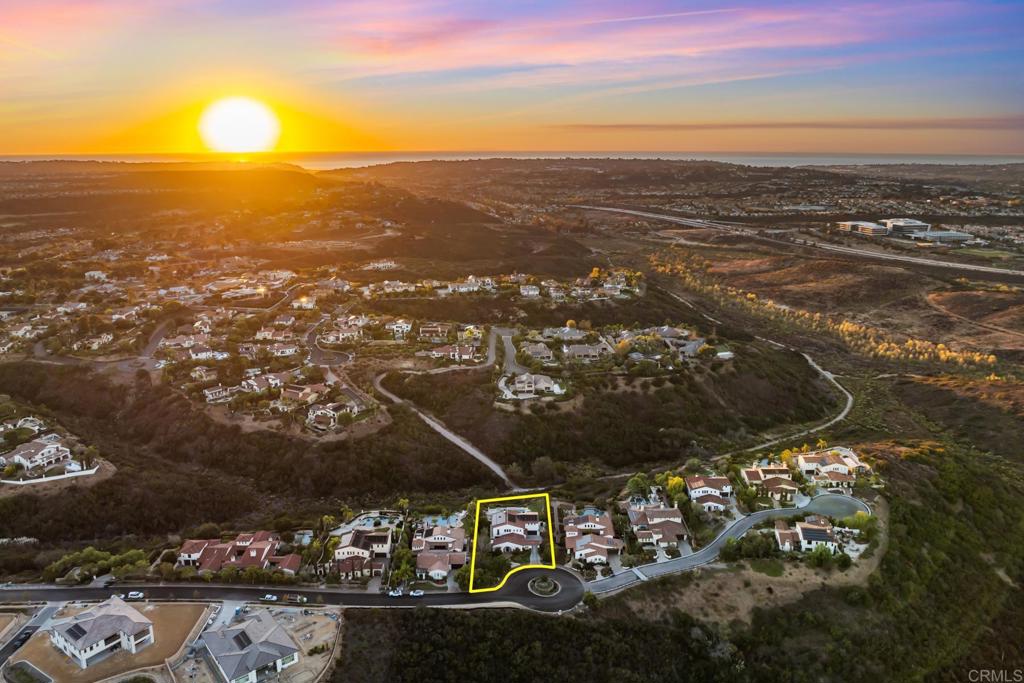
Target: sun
(239, 125)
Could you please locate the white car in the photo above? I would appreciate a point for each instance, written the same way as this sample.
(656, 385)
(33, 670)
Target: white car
(416, 593)
(136, 595)
(270, 597)
(395, 593)
(118, 595)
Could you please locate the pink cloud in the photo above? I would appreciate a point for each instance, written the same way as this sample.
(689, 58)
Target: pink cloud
(372, 43)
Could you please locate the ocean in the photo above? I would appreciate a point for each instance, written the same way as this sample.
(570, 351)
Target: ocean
(327, 160)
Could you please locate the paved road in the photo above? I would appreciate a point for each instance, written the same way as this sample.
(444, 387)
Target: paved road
(289, 294)
(318, 355)
(862, 253)
(830, 504)
(514, 592)
(34, 624)
(444, 431)
(511, 366)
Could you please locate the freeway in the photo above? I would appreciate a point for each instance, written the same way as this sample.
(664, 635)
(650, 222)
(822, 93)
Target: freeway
(850, 251)
(514, 593)
(829, 504)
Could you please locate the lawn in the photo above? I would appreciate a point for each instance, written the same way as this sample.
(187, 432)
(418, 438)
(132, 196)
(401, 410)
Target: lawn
(171, 626)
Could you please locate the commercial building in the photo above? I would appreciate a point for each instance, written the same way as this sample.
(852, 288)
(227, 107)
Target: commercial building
(941, 236)
(862, 227)
(904, 226)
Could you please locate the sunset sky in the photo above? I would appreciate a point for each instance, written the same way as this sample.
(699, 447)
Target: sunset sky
(134, 76)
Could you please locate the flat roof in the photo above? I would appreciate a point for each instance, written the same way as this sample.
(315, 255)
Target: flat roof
(941, 233)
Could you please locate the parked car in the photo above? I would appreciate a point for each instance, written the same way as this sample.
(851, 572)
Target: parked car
(136, 595)
(269, 597)
(396, 593)
(416, 593)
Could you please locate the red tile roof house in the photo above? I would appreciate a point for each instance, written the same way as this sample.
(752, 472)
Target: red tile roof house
(259, 549)
(439, 550)
(655, 525)
(787, 538)
(813, 532)
(832, 469)
(755, 475)
(809, 462)
(711, 503)
(457, 353)
(514, 529)
(363, 552)
(778, 488)
(38, 454)
(435, 332)
(774, 481)
(298, 393)
(590, 537)
(834, 480)
(705, 485)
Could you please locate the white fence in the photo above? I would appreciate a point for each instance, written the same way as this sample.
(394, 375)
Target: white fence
(43, 480)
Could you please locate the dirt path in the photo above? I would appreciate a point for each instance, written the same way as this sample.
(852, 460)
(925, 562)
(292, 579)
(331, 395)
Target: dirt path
(447, 433)
(985, 326)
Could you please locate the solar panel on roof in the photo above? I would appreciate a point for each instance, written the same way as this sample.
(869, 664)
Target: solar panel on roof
(242, 640)
(76, 631)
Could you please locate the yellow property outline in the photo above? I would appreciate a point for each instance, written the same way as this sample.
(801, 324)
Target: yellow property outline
(476, 528)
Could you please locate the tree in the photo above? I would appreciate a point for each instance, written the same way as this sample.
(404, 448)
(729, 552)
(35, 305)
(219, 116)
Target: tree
(820, 557)
(843, 561)
(402, 562)
(821, 444)
(89, 457)
(543, 469)
(462, 577)
(638, 484)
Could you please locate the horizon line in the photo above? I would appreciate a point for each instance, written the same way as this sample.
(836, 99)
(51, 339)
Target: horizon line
(492, 153)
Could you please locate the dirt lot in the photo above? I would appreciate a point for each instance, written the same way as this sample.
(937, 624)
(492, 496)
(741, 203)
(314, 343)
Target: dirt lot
(171, 625)
(308, 631)
(6, 621)
(724, 594)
